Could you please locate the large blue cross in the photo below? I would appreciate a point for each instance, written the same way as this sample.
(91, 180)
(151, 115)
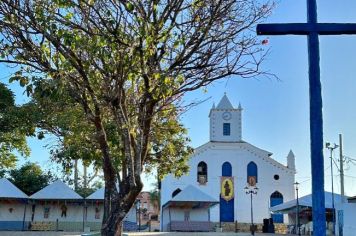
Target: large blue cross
(313, 29)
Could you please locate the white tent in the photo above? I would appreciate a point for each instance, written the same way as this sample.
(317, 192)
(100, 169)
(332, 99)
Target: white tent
(305, 202)
(56, 191)
(97, 195)
(188, 210)
(95, 210)
(193, 196)
(57, 207)
(12, 206)
(9, 190)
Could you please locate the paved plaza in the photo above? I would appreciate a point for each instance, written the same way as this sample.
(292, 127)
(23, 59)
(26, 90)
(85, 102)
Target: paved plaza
(197, 234)
(37, 233)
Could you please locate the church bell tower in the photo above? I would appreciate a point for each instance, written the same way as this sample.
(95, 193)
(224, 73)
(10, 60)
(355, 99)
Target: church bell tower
(225, 122)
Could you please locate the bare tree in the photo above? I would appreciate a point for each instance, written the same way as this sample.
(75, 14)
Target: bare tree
(129, 63)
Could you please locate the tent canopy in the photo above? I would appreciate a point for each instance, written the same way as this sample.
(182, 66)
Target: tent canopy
(9, 190)
(305, 202)
(98, 194)
(191, 197)
(56, 191)
(352, 199)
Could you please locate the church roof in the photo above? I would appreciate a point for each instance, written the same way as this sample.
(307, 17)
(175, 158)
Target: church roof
(57, 191)
(266, 155)
(224, 103)
(193, 197)
(9, 190)
(304, 202)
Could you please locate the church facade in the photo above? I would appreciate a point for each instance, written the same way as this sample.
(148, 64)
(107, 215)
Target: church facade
(224, 169)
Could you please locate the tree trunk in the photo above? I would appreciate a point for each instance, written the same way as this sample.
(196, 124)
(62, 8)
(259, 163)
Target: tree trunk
(76, 175)
(85, 177)
(113, 225)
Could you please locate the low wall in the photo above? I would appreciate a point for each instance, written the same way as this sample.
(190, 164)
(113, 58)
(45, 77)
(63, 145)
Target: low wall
(245, 227)
(13, 225)
(54, 226)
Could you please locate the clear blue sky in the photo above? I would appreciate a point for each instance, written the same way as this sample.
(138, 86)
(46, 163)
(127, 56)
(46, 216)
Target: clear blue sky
(276, 113)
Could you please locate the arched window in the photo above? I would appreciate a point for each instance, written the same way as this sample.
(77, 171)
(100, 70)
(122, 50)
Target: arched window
(226, 169)
(175, 192)
(202, 173)
(276, 199)
(252, 173)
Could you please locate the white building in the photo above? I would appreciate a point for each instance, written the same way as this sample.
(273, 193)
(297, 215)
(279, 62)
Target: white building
(95, 211)
(13, 203)
(224, 166)
(56, 207)
(305, 207)
(345, 217)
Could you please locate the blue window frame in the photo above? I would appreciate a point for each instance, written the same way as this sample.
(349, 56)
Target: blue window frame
(226, 129)
(226, 169)
(252, 171)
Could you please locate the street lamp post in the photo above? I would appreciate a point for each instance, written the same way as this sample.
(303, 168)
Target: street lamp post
(297, 215)
(251, 190)
(332, 148)
(138, 210)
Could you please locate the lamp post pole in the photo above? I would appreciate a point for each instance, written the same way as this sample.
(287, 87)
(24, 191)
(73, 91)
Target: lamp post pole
(332, 148)
(251, 190)
(138, 210)
(297, 214)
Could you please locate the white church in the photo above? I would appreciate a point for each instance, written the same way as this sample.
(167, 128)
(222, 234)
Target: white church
(221, 171)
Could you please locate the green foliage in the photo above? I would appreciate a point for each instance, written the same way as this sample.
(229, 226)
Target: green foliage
(16, 122)
(3, 173)
(30, 178)
(108, 77)
(85, 192)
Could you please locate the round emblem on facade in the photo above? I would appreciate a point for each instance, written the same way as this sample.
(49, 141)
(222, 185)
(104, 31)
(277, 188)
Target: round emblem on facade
(226, 115)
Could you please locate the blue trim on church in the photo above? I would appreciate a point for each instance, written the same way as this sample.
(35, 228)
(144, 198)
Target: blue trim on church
(226, 169)
(226, 207)
(252, 170)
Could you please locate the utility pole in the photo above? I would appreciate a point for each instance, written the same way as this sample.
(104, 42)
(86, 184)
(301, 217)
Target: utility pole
(341, 169)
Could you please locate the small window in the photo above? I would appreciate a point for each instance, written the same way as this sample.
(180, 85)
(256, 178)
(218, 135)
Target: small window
(226, 169)
(202, 173)
(276, 177)
(226, 129)
(46, 213)
(252, 174)
(175, 192)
